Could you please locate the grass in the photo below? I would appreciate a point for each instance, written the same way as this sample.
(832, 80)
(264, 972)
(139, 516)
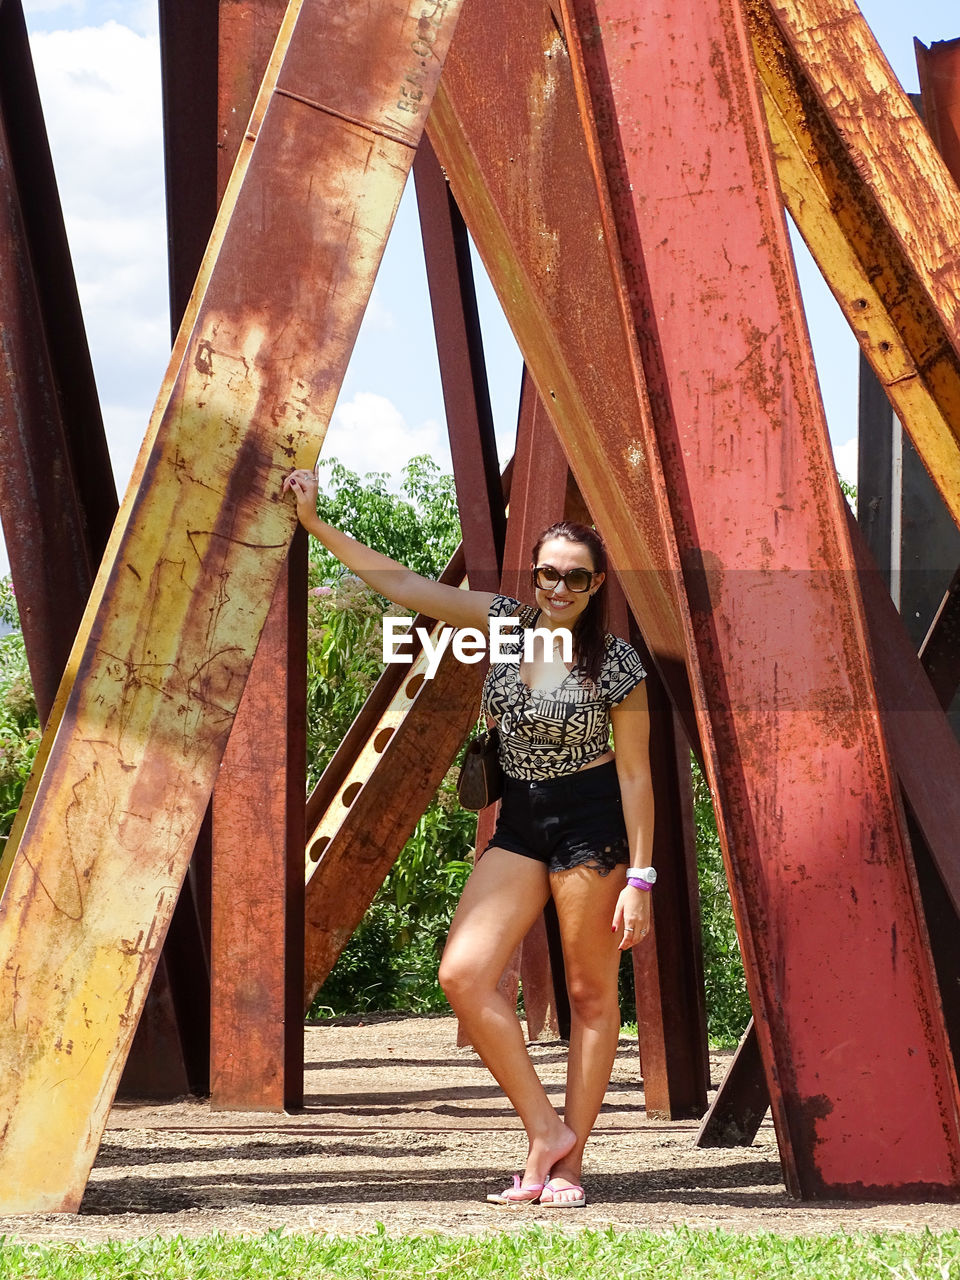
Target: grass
(532, 1254)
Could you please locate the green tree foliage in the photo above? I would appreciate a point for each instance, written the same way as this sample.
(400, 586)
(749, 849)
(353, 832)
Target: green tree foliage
(19, 724)
(728, 1006)
(391, 961)
(419, 527)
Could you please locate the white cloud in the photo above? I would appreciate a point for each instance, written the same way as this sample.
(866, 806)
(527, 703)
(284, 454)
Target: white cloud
(369, 433)
(845, 459)
(100, 90)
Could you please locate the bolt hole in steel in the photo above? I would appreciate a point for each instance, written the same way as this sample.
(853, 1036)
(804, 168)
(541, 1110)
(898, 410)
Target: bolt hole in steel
(413, 685)
(382, 738)
(350, 794)
(885, 346)
(861, 304)
(316, 849)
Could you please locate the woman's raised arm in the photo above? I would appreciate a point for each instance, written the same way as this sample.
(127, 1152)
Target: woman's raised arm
(399, 584)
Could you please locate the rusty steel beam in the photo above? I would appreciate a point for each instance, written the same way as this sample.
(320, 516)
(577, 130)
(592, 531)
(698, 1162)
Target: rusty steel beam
(333, 778)
(466, 395)
(669, 991)
(256, 973)
(360, 763)
(256, 1022)
(188, 54)
(177, 610)
(876, 206)
(940, 651)
(742, 1100)
(247, 33)
(57, 496)
(539, 231)
(810, 821)
(379, 802)
(538, 498)
(926, 756)
(939, 70)
(668, 963)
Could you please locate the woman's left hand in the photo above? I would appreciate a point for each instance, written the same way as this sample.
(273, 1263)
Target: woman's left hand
(633, 915)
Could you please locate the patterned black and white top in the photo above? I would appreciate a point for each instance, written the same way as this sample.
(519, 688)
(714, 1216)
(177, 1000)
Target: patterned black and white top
(545, 733)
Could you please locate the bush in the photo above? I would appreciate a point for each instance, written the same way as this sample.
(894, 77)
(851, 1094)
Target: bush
(728, 1006)
(19, 723)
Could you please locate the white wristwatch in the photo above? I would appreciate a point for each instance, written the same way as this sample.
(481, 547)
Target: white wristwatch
(647, 874)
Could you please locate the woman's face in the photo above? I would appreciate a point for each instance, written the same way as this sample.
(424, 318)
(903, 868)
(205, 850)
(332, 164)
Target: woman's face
(561, 606)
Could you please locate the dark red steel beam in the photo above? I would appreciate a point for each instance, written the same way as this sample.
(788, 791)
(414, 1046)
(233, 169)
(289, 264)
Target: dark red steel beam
(57, 496)
(379, 816)
(177, 1009)
(189, 53)
(258, 828)
(809, 814)
(940, 651)
(736, 1102)
(247, 33)
(256, 1030)
(538, 498)
(466, 395)
(939, 70)
(668, 963)
(742, 1100)
(926, 756)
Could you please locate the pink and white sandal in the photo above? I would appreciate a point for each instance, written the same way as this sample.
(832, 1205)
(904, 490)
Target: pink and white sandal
(517, 1194)
(577, 1201)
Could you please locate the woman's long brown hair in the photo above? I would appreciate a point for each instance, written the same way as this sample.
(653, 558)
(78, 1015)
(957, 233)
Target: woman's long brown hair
(590, 629)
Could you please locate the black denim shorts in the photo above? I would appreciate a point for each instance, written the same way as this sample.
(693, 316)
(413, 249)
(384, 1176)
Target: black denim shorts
(574, 820)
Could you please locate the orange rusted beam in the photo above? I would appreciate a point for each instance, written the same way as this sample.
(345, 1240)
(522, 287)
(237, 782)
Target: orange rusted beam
(876, 206)
(257, 828)
(167, 641)
(256, 935)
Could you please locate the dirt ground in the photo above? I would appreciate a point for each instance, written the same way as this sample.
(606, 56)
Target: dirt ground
(402, 1127)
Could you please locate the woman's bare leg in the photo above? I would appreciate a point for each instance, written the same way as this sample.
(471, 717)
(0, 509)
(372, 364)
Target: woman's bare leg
(501, 900)
(585, 905)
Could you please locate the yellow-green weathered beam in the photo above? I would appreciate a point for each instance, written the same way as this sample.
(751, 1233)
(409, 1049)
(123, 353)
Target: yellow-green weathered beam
(166, 644)
(875, 205)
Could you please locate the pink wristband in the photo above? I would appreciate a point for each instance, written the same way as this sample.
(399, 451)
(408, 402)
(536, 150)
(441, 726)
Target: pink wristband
(636, 882)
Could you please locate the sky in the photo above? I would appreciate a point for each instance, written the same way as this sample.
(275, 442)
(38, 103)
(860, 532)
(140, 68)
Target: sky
(97, 64)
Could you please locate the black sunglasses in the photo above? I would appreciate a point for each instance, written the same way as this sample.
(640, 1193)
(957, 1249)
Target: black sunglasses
(546, 577)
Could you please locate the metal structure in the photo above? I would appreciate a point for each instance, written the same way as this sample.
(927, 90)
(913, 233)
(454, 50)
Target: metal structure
(658, 313)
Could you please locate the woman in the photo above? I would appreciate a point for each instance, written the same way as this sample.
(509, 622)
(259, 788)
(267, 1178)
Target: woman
(574, 819)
